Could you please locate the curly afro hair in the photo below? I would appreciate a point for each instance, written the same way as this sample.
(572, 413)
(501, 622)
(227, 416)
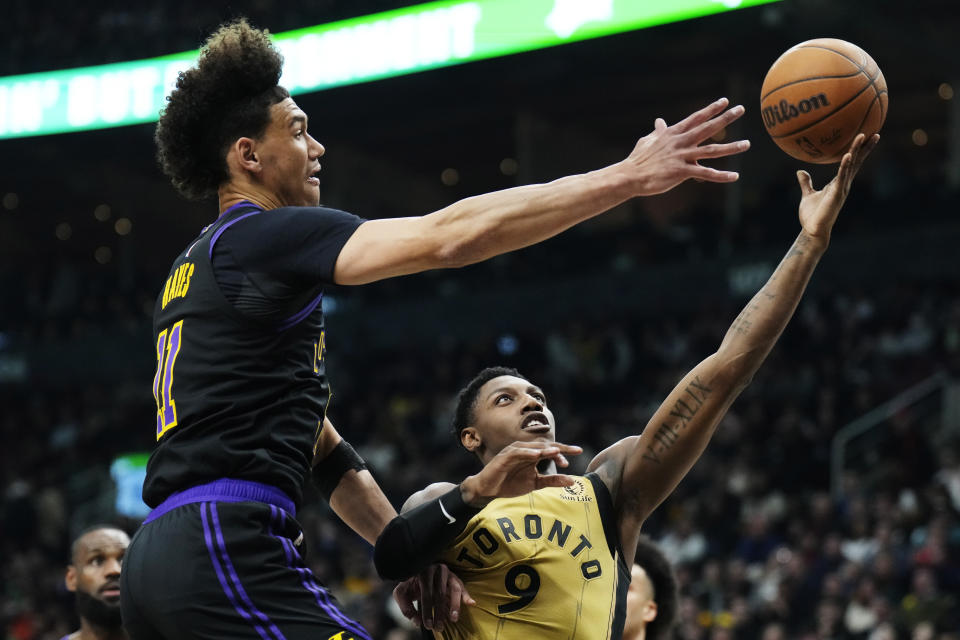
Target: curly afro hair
(228, 95)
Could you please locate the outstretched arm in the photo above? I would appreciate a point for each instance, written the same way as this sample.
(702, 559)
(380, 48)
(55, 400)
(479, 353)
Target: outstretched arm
(483, 226)
(641, 471)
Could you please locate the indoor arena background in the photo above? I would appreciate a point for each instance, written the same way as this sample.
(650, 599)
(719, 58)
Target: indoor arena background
(784, 529)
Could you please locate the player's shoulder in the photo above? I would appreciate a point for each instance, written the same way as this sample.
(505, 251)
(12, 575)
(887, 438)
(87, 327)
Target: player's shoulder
(296, 212)
(297, 220)
(613, 454)
(427, 494)
(608, 465)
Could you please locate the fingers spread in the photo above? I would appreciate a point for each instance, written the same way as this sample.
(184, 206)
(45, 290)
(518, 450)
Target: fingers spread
(806, 182)
(709, 174)
(570, 449)
(454, 589)
(428, 602)
(863, 150)
(719, 150)
(405, 595)
(699, 117)
(711, 127)
(541, 449)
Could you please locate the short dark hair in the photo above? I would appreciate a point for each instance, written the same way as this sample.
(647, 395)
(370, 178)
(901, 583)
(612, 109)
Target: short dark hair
(75, 545)
(660, 572)
(467, 397)
(228, 95)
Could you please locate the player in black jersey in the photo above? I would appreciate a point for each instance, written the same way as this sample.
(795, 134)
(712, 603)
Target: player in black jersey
(240, 383)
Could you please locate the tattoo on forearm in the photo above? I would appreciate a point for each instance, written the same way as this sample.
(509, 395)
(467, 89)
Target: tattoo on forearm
(684, 410)
(743, 322)
(797, 249)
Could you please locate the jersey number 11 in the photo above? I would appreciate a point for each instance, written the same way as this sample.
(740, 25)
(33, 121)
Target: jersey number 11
(168, 346)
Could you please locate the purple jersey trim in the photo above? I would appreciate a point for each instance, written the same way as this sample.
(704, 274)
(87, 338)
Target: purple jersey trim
(242, 203)
(215, 560)
(224, 490)
(300, 315)
(219, 232)
(309, 581)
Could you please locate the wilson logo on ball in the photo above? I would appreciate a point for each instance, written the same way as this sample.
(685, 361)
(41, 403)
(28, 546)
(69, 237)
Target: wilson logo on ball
(780, 113)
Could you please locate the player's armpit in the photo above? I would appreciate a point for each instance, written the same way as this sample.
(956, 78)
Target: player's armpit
(609, 463)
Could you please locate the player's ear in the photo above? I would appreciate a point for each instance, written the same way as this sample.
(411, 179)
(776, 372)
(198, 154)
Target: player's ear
(650, 611)
(243, 152)
(70, 580)
(470, 439)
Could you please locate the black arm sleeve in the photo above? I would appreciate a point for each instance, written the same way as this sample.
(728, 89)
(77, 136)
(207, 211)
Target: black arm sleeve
(415, 539)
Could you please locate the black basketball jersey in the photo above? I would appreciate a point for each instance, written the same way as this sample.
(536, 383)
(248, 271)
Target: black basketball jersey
(237, 397)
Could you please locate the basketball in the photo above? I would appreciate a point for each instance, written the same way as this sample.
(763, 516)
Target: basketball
(819, 95)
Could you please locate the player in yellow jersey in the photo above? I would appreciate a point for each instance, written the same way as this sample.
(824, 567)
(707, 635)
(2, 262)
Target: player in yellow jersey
(540, 552)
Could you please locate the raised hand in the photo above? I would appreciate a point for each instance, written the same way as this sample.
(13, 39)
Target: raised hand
(670, 155)
(513, 472)
(439, 593)
(819, 209)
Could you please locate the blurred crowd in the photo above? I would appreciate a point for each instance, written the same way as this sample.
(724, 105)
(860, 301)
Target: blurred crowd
(761, 547)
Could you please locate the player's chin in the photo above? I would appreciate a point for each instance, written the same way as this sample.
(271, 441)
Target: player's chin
(311, 195)
(537, 435)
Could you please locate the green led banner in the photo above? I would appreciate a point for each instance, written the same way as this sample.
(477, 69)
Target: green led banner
(372, 47)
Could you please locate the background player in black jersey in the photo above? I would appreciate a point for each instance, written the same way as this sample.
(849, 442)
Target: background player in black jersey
(652, 597)
(240, 384)
(504, 419)
(96, 557)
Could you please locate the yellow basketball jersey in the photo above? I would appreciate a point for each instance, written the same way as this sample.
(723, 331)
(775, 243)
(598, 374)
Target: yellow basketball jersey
(542, 566)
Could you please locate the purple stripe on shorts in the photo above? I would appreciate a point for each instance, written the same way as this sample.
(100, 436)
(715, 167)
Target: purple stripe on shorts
(216, 236)
(300, 315)
(276, 518)
(235, 578)
(323, 599)
(309, 582)
(223, 580)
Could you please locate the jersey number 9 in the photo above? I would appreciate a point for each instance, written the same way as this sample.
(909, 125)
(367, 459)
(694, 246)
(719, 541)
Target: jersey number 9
(521, 581)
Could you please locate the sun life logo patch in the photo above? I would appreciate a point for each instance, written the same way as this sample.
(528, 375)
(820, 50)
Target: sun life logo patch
(576, 492)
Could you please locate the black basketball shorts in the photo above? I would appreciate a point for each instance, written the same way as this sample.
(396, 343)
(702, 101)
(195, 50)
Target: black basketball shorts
(222, 561)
